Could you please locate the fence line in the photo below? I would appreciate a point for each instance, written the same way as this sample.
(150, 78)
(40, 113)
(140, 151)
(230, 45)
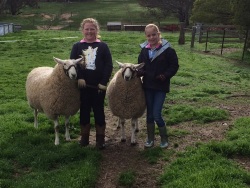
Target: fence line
(220, 35)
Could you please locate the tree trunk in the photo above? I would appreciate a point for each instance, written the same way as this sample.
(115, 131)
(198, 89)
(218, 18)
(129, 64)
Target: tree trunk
(182, 33)
(2, 6)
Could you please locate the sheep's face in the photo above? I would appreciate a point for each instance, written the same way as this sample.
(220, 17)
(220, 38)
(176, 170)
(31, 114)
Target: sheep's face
(129, 70)
(69, 66)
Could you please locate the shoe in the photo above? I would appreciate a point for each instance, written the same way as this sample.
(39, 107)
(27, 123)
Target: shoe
(149, 144)
(164, 137)
(164, 144)
(100, 147)
(83, 143)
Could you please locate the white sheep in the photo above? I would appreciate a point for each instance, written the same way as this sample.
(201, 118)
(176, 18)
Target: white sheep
(54, 92)
(126, 98)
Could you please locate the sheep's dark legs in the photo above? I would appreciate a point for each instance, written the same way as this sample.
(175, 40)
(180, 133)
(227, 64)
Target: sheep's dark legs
(56, 127)
(67, 135)
(35, 118)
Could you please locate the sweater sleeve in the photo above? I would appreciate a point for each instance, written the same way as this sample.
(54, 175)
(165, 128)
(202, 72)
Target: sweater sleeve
(173, 64)
(74, 55)
(108, 68)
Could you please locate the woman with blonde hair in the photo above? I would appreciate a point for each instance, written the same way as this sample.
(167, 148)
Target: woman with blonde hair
(92, 80)
(161, 64)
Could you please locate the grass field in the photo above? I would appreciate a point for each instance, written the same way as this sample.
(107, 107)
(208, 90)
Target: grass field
(127, 12)
(29, 158)
(206, 91)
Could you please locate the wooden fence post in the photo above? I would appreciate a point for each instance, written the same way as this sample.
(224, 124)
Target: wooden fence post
(193, 36)
(206, 42)
(223, 40)
(245, 44)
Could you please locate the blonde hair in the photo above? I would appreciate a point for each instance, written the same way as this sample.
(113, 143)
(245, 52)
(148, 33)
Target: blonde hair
(94, 22)
(155, 27)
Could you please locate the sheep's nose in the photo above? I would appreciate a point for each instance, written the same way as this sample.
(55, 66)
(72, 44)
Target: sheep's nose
(127, 78)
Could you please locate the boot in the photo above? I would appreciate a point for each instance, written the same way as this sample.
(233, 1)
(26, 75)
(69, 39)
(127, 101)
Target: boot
(85, 130)
(151, 135)
(164, 137)
(100, 136)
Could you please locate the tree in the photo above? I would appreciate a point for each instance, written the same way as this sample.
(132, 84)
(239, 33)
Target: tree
(241, 10)
(212, 11)
(180, 8)
(2, 6)
(14, 6)
(235, 12)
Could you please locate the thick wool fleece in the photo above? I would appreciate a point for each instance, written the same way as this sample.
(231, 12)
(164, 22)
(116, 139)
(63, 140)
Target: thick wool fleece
(51, 91)
(126, 99)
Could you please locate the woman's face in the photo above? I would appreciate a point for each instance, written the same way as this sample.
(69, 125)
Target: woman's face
(152, 36)
(90, 32)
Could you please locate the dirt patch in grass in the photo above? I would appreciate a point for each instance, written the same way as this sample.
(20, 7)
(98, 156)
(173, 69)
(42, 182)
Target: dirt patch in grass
(120, 157)
(225, 51)
(65, 19)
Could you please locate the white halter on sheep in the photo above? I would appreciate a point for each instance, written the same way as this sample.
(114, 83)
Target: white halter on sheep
(54, 91)
(126, 98)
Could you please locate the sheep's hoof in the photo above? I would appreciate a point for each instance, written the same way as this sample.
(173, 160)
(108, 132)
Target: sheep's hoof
(136, 130)
(123, 140)
(133, 143)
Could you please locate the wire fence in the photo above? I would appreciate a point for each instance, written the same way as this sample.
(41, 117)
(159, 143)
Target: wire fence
(226, 41)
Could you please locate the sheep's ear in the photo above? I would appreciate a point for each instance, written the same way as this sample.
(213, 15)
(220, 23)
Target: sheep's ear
(120, 64)
(57, 60)
(79, 60)
(138, 66)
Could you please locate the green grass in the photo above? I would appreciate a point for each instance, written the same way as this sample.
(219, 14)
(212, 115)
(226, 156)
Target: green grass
(28, 157)
(208, 165)
(127, 178)
(203, 167)
(127, 12)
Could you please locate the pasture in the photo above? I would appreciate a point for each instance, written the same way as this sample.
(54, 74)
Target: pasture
(50, 14)
(207, 112)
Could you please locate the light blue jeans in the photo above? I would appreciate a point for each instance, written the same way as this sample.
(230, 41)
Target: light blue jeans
(154, 101)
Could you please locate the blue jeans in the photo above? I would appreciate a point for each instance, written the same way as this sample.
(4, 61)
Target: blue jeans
(154, 101)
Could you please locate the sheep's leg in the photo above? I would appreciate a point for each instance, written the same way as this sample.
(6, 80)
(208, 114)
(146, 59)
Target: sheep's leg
(67, 136)
(118, 123)
(123, 136)
(136, 126)
(35, 118)
(56, 127)
(133, 127)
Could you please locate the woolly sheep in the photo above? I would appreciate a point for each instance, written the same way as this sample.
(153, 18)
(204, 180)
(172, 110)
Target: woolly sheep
(126, 98)
(54, 92)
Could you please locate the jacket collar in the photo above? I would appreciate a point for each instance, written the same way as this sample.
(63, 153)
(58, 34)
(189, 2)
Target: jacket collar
(165, 44)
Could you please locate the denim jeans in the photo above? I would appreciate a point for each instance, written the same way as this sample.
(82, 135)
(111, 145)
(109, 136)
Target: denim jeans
(154, 101)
